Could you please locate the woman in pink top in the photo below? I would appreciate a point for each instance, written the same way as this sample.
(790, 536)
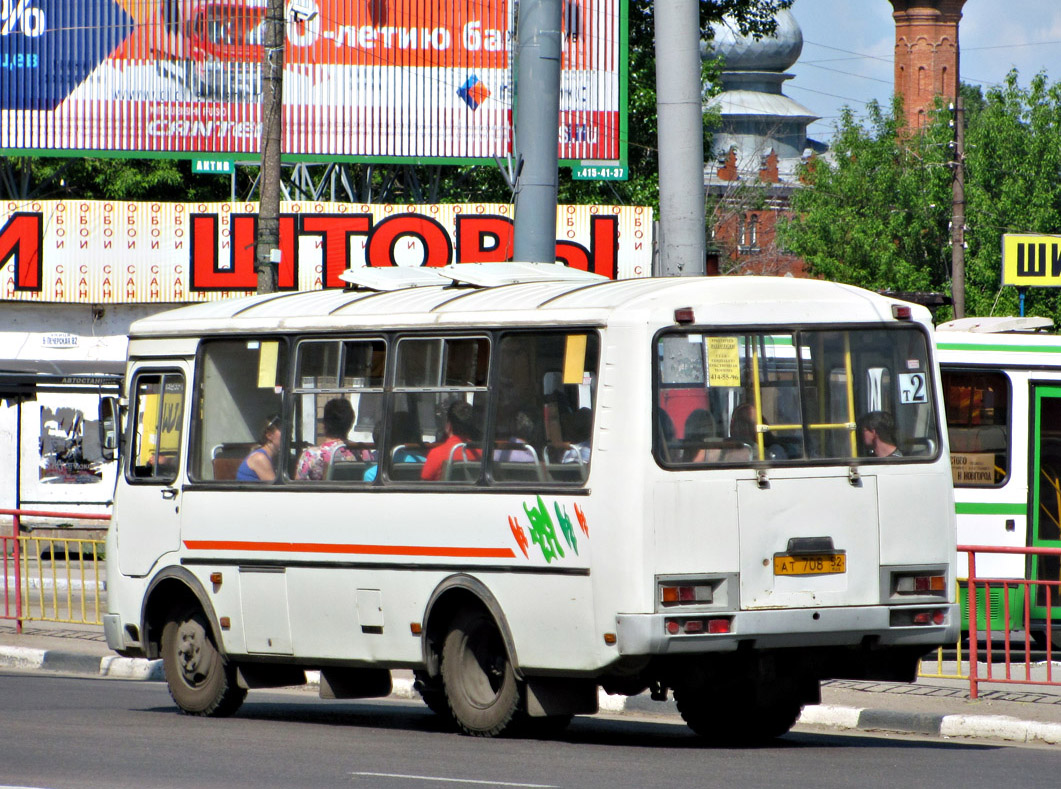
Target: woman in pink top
(338, 419)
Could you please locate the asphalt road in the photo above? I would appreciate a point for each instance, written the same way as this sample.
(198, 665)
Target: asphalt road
(61, 732)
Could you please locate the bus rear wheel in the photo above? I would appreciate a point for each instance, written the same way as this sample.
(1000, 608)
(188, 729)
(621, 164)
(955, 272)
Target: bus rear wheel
(478, 677)
(730, 718)
(200, 679)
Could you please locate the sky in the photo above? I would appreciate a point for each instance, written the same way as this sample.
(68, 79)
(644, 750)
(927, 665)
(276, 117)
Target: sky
(848, 48)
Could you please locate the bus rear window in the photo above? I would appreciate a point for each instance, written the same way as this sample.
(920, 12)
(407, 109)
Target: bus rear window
(790, 397)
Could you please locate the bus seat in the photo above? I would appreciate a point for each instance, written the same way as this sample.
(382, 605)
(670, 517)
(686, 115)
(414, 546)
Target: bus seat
(920, 447)
(404, 472)
(566, 472)
(519, 472)
(226, 459)
(347, 470)
(992, 438)
(964, 439)
(461, 470)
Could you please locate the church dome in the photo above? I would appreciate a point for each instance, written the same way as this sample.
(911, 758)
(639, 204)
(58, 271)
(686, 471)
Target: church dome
(743, 53)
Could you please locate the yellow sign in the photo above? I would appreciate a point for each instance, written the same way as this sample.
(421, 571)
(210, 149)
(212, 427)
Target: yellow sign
(574, 358)
(267, 365)
(1031, 261)
(973, 469)
(723, 361)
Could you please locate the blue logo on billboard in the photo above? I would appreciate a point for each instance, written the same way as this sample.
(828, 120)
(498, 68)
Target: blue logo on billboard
(474, 92)
(48, 47)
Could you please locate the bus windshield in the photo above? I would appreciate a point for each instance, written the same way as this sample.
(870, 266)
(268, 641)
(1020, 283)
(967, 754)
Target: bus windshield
(794, 397)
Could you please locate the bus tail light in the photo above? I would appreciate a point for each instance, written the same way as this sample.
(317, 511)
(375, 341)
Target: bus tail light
(685, 594)
(901, 312)
(920, 584)
(919, 618)
(713, 626)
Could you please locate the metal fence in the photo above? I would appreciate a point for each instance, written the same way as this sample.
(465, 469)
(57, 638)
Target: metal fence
(52, 579)
(1035, 602)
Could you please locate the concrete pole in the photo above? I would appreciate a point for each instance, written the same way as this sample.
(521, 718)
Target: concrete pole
(268, 238)
(538, 33)
(680, 124)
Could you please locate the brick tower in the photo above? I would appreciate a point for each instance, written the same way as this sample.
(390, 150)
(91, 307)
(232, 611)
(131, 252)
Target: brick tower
(926, 54)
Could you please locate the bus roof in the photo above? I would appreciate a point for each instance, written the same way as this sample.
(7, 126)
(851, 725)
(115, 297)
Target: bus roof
(722, 301)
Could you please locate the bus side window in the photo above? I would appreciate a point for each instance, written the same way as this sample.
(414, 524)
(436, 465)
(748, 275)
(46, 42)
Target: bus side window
(158, 426)
(544, 407)
(977, 406)
(440, 388)
(239, 390)
(338, 406)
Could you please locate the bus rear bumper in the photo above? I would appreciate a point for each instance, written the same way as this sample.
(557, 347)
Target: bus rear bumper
(883, 626)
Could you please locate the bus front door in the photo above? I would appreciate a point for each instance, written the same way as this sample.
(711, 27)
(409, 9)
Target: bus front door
(1046, 503)
(147, 522)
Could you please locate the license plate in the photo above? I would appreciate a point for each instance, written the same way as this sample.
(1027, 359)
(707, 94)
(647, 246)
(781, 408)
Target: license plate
(811, 564)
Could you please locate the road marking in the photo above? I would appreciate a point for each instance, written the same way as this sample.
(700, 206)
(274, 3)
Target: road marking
(451, 780)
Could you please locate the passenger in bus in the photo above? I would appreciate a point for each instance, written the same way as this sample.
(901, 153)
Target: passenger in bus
(403, 434)
(699, 428)
(878, 434)
(520, 435)
(577, 429)
(260, 464)
(744, 427)
(460, 429)
(338, 419)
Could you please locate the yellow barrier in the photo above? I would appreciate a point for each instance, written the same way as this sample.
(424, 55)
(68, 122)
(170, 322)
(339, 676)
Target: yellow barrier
(62, 580)
(959, 671)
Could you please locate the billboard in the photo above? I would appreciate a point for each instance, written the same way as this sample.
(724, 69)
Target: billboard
(102, 252)
(364, 80)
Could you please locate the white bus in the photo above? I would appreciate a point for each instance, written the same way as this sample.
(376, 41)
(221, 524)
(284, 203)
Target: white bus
(536, 493)
(1002, 391)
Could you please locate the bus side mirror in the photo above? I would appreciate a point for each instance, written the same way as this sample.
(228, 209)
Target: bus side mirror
(109, 427)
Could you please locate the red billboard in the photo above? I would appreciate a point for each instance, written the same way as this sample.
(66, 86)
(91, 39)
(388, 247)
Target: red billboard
(364, 80)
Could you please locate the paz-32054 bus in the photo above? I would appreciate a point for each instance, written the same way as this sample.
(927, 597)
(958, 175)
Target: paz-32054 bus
(526, 484)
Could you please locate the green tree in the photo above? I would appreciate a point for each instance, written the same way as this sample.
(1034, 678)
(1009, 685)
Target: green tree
(1013, 185)
(876, 211)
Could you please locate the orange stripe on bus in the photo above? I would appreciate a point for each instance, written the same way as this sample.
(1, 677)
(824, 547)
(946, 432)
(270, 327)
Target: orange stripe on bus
(365, 550)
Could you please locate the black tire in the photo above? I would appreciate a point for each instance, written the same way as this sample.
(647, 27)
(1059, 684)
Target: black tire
(728, 719)
(200, 679)
(477, 674)
(433, 694)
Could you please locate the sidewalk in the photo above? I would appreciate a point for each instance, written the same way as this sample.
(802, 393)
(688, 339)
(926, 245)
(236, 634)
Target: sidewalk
(932, 706)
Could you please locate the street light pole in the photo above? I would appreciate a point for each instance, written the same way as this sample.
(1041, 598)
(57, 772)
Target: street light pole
(680, 124)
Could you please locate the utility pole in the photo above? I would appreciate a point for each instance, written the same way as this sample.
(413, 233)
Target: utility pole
(267, 245)
(957, 222)
(538, 50)
(680, 119)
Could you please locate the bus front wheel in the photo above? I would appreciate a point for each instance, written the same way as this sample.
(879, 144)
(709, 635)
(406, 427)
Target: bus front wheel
(200, 679)
(477, 674)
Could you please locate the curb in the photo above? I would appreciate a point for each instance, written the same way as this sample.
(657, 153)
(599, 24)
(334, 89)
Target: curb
(37, 583)
(76, 663)
(992, 727)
